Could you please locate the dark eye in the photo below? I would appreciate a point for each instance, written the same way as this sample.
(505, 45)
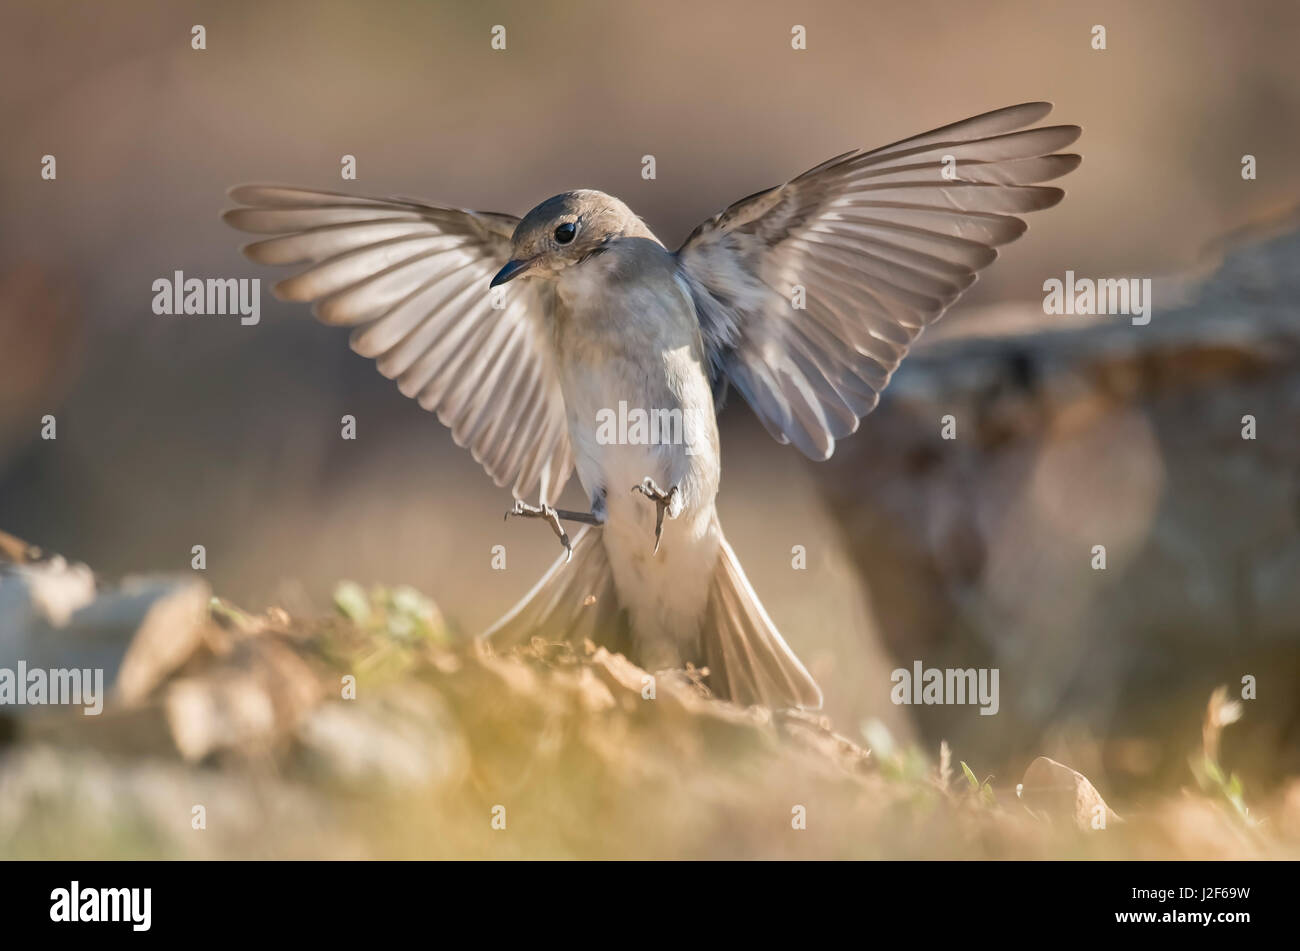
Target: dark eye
(565, 232)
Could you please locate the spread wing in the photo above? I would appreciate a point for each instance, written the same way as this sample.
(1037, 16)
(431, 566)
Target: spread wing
(881, 244)
(412, 279)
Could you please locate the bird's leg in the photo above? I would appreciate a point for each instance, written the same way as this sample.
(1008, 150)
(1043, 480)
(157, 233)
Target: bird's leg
(553, 517)
(670, 502)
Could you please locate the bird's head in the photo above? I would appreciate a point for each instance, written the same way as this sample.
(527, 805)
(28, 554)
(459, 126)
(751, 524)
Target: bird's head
(566, 230)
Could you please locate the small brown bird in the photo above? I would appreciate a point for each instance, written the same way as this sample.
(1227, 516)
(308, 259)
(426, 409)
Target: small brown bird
(804, 298)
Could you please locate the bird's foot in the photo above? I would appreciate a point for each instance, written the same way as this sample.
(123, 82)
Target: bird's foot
(552, 517)
(669, 502)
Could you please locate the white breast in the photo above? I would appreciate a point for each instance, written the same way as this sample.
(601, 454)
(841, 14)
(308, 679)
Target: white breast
(637, 343)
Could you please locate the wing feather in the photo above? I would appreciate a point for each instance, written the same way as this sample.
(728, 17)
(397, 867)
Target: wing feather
(879, 244)
(411, 279)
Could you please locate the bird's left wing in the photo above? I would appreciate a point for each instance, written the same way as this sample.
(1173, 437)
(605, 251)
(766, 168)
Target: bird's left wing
(809, 294)
(412, 279)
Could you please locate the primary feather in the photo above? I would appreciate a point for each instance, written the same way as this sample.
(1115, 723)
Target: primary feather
(412, 280)
(882, 243)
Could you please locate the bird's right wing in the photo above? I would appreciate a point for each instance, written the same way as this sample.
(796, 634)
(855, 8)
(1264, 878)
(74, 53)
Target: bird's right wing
(880, 244)
(412, 279)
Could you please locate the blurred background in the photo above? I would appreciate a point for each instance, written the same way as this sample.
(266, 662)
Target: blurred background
(177, 431)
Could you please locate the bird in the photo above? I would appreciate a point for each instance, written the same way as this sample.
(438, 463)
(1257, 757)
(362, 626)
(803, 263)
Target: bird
(525, 334)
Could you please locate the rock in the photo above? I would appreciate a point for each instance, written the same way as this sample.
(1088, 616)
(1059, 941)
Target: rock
(247, 703)
(1060, 794)
(40, 597)
(54, 616)
(168, 633)
(404, 738)
(981, 551)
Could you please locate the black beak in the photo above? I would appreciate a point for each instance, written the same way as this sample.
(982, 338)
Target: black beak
(512, 270)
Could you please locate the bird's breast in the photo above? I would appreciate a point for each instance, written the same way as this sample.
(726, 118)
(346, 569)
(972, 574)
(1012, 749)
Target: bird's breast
(639, 404)
(636, 395)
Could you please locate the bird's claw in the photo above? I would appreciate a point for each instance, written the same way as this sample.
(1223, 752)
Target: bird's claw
(552, 517)
(662, 500)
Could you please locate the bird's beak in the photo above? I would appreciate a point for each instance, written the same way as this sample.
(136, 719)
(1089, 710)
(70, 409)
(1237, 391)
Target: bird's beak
(511, 271)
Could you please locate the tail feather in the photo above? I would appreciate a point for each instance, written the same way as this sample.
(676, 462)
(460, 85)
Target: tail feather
(572, 602)
(749, 662)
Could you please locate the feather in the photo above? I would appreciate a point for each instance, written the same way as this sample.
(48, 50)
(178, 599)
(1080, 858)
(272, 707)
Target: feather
(880, 244)
(411, 280)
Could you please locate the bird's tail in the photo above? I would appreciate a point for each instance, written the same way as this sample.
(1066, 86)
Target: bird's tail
(748, 660)
(572, 602)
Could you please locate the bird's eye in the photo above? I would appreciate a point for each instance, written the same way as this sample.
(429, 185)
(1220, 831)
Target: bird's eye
(565, 232)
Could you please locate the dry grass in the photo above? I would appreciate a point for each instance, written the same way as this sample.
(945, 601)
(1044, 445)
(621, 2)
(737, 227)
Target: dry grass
(562, 746)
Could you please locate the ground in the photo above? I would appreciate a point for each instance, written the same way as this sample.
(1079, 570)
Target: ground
(375, 733)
